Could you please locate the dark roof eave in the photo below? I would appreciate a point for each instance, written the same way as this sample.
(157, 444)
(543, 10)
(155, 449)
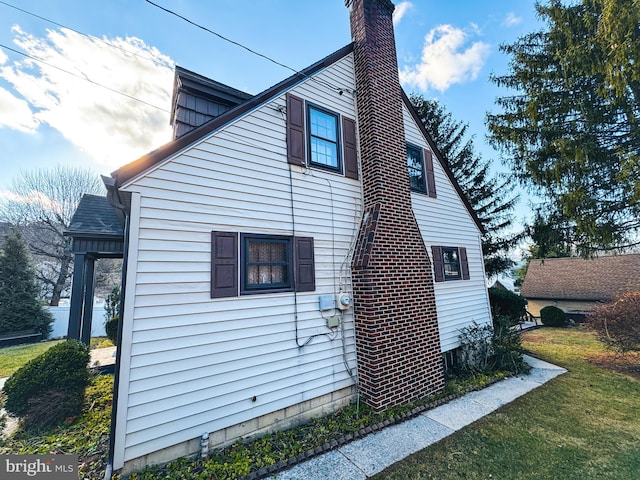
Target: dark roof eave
(135, 168)
(445, 165)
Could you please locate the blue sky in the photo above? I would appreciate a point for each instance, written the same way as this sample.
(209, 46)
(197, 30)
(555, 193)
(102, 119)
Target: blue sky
(48, 117)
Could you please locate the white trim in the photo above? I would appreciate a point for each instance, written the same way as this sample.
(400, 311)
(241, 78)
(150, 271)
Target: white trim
(127, 332)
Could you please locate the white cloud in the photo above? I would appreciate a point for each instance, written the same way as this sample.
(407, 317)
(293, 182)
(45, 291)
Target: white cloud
(511, 20)
(109, 127)
(3, 57)
(445, 61)
(35, 198)
(15, 113)
(400, 11)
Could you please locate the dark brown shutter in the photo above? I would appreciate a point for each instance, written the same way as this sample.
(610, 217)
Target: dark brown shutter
(464, 263)
(438, 264)
(304, 264)
(295, 130)
(350, 148)
(431, 178)
(224, 264)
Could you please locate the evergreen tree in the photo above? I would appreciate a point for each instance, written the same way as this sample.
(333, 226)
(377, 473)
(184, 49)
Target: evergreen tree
(571, 129)
(491, 197)
(20, 308)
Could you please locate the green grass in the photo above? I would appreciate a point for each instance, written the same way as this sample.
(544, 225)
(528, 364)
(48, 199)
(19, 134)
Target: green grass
(582, 425)
(12, 358)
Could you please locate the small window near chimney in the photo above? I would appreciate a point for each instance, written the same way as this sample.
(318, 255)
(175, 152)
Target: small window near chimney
(415, 163)
(323, 138)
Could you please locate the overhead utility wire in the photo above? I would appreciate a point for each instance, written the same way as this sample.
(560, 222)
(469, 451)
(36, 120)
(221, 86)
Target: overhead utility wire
(157, 62)
(84, 77)
(233, 42)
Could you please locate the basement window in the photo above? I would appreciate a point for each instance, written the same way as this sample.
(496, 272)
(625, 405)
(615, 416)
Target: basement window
(323, 138)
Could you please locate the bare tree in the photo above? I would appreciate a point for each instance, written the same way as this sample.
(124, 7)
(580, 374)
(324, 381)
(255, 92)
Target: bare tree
(41, 203)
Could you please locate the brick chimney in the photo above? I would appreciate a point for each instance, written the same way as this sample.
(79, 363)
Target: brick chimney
(397, 339)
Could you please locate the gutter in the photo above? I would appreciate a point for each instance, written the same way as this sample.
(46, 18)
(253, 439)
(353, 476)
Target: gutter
(114, 199)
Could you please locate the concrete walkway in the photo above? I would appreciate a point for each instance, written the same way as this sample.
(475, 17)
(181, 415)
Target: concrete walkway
(363, 458)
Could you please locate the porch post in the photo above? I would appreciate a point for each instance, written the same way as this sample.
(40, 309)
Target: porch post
(77, 297)
(87, 312)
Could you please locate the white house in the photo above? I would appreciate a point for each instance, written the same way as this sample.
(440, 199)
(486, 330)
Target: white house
(287, 251)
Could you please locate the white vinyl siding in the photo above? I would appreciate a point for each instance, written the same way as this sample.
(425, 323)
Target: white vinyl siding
(195, 362)
(445, 221)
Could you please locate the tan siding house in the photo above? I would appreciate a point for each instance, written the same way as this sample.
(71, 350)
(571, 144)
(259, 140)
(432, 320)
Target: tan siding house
(578, 284)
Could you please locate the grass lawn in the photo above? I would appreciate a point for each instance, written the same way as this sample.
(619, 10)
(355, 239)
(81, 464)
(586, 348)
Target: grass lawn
(12, 358)
(582, 425)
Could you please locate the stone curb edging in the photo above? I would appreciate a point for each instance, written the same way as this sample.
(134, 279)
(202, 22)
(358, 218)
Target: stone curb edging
(345, 439)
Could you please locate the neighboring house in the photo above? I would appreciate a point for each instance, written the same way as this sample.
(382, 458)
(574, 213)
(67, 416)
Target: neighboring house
(576, 285)
(287, 251)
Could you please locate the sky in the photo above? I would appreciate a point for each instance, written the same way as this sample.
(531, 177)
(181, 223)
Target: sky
(88, 83)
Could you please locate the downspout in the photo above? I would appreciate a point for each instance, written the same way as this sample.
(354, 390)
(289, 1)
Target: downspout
(115, 201)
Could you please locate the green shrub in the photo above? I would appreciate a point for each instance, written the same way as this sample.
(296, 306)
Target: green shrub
(507, 305)
(112, 303)
(111, 327)
(59, 373)
(485, 349)
(552, 316)
(617, 324)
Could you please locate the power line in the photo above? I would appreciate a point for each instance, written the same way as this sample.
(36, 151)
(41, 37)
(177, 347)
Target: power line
(233, 42)
(157, 62)
(84, 77)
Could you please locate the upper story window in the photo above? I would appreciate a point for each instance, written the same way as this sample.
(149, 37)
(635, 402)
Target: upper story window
(324, 138)
(415, 163)
(421, 174)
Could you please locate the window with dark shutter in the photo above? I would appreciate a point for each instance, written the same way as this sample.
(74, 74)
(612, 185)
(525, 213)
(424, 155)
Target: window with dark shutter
(464, 263)
(250, 263)
(431, 178)
(304, 261)
(323, 138)
(224, 264)
(450, 263)
(295, 130)
(438, 266)
(350, 148)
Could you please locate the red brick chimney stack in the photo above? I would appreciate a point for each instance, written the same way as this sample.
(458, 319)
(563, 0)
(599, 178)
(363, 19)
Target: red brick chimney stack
(397, 339)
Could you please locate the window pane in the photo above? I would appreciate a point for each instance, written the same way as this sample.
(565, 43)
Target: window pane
(416, 169)
(323, 125)
(451, 263)
(267, 263)
(324, 153)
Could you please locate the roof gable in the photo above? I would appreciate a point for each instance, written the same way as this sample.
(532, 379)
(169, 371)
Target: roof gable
(597, 279)
(128, 172)
(440, 158)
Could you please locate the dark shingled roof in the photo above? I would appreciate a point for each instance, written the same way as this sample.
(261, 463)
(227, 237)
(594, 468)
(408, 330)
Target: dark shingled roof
(95, 216)
(598, 279)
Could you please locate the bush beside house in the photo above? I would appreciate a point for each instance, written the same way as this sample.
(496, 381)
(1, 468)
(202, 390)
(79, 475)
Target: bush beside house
(506, 306)
(50, 387)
